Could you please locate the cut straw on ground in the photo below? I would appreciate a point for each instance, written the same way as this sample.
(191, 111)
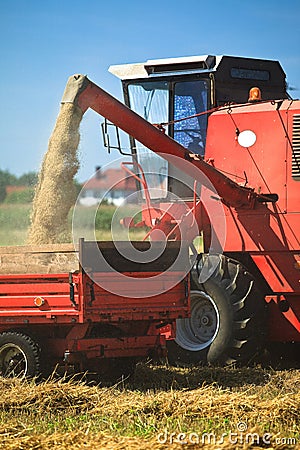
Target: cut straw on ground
(155, 409)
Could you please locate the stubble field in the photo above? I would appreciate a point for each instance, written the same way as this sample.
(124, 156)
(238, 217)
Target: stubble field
(158, 408)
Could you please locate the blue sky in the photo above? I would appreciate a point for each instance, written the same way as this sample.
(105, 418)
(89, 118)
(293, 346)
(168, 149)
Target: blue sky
(43, 43)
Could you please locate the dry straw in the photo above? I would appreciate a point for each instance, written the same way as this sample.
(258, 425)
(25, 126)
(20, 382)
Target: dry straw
(73, 415)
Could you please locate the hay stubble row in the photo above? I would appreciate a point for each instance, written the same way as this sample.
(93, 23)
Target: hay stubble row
(68, 414)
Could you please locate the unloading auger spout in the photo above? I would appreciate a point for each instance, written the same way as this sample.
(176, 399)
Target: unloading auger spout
(85, 94)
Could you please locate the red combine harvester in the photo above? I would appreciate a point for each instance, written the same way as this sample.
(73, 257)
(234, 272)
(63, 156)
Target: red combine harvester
(217, 164)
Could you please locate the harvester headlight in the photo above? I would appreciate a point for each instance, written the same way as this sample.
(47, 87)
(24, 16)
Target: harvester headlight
(246, 138)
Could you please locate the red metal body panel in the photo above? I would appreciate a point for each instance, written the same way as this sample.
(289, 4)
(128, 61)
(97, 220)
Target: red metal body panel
(268, 229)
(109, 347)
(269, 233)
(283, 326)
(170, 303)
(260, 162)
(18, 293)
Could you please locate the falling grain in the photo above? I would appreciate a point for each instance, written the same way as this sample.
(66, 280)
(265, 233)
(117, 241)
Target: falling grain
(55, 192)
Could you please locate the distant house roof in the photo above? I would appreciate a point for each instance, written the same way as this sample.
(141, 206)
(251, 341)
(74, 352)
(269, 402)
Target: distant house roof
(111, 179)
(10, 189)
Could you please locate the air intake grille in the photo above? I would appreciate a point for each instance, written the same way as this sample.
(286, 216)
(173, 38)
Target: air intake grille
(296, 148)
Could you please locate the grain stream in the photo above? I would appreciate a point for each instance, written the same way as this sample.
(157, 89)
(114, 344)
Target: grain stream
(55, 191)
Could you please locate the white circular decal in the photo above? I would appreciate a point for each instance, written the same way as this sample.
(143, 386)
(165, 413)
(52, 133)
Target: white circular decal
(247, 138)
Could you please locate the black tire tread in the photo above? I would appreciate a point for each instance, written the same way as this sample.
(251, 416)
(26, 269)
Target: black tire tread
(247, 307)
(21, 339)
(245, 310)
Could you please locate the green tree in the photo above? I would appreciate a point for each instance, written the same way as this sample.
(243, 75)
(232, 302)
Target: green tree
(22, 197)
(27, 179)
(6, 179)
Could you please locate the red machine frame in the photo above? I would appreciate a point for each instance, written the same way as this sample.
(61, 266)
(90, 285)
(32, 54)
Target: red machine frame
(61, 310)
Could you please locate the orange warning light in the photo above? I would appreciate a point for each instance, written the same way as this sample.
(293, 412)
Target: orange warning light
(254, 95)
(39, 301)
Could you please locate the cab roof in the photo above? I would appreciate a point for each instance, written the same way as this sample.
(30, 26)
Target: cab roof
(188, 65)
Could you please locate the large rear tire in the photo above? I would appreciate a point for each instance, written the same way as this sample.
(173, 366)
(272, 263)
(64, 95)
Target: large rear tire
(227, 317)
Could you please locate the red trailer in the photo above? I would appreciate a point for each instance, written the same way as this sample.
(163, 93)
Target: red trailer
(70, 318)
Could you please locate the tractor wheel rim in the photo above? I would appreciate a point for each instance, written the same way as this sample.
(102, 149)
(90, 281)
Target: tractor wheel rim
(13, 361)
(198, 332)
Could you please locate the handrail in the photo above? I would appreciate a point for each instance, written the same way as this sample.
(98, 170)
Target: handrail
(141, 179)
